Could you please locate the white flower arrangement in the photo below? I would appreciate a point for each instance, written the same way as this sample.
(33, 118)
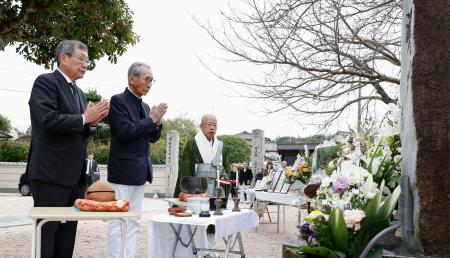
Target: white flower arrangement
(348, 187)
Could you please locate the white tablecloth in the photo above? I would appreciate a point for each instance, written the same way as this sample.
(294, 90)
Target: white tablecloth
(161, 236)
(281, 198)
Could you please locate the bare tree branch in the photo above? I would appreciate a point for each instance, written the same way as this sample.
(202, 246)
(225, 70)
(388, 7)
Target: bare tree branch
(314, 55)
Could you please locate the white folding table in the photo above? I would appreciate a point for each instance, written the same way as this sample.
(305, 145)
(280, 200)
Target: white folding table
(168, 234)
(280, 199)
(63, 214)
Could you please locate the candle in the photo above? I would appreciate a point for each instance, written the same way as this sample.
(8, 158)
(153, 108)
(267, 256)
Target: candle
(218, 177)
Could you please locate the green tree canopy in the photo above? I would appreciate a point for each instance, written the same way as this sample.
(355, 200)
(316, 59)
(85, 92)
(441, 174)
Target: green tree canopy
(237, 149)
(92, 95)
(5, 124)
(187, 129)
(318, 138)
(106, 27)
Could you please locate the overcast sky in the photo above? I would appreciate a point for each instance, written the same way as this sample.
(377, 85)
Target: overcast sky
(171, 42)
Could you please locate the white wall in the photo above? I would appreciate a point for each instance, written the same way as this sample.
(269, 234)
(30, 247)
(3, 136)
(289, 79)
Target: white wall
(10, 174)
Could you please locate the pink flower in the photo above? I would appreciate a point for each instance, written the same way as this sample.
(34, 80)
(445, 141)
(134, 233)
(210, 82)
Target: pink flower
(353, 218)
(341, 185)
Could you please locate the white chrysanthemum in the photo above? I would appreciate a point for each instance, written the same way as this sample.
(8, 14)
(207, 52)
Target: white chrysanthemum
(355, 156)
(326, 181)
(354, 174)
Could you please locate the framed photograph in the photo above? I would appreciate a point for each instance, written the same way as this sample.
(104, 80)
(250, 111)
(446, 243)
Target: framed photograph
(280, 185)
(285, 188)
(275, 179)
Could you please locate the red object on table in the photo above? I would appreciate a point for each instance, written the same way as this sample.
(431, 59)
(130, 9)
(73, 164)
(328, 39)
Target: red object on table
(91, 205)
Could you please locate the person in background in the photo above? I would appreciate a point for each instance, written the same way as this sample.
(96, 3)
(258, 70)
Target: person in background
(92, 170)
(283, 167)
(268, 171)
(234, 172)
(259, 174)
(245, 180)
(202, 155)
(134, 126)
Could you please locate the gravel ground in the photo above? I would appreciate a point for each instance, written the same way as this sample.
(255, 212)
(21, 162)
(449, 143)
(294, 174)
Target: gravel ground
(92, 235)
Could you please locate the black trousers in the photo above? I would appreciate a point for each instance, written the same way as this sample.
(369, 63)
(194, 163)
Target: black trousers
(58, 239)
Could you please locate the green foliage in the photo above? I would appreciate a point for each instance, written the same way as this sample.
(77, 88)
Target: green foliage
(184, 126)
(332, 237)
(319, 138)
(5, 124)
(236, 148)
(12, 151)
(326, 154)
(387, 170)
(338, 230)
(319, 251)
(106, 27)
(286, 139)
(92, 95)
(103, 135)
(377, 218)
(101, 154)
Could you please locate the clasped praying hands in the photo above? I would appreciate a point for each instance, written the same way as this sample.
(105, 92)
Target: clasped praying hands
(157, 113)
(95, 113)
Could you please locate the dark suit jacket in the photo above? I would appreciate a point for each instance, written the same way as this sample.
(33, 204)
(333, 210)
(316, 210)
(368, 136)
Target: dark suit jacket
(245, 176)
(132, 131)
(92, 171)
(58, 148)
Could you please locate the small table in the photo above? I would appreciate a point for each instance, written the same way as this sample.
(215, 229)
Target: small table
(64, 214)
(279, 199)
(166, 234)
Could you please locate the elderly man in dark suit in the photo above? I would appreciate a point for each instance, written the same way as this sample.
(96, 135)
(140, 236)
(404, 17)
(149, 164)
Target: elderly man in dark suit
(133, 127)
(61, 121)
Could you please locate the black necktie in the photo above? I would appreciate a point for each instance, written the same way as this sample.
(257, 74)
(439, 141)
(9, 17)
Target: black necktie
(75, 96)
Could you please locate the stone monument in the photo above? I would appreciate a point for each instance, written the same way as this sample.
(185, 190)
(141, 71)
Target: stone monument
(257, 154)
(172, 149)
(424, 205)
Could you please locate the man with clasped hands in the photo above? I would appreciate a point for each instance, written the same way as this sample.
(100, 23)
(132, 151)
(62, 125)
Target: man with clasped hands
(134, 126)
(61, 120)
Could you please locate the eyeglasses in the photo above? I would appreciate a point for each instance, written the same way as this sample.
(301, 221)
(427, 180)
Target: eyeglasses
(210, 125)
(149, 80)
(83, 60)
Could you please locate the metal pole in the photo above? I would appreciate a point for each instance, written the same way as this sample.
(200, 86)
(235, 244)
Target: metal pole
(358, 122)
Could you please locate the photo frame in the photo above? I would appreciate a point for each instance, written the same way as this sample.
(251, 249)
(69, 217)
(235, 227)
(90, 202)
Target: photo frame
(280, 185)
(257, 185)
(274, 183)
(285, 188)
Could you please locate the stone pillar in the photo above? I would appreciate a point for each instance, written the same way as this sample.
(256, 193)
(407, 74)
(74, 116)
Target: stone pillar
(257, 155)
(172, 150)
(424, 205)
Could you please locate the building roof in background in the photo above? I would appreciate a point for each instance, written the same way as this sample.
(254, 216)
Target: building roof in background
(295, 146)
(4, 135)
(248, 136)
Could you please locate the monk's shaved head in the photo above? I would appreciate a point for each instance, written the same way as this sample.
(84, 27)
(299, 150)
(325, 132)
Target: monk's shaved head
(208, 125)
(207, 117)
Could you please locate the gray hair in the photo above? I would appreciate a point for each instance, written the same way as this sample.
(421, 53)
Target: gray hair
(136, 68)
(68, 47)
